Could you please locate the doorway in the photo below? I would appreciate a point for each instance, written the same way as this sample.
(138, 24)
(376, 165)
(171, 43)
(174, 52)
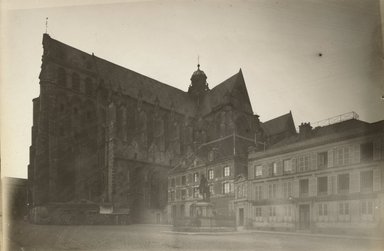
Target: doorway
(241, 216)
(304, 217)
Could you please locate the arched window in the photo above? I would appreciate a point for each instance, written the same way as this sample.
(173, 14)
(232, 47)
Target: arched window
(88, 86)
(61, 77)
(75, 81)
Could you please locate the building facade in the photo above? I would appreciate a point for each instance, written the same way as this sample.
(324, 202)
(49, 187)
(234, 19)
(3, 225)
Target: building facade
(110, 145)
(221, 161)
(326, 179)
(104, 139)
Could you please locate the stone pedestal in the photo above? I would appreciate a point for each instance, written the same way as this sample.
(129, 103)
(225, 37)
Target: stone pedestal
(203, 219)
(203, 214)
(203, 209)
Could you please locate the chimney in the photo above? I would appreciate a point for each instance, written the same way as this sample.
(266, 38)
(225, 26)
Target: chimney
(305, 129)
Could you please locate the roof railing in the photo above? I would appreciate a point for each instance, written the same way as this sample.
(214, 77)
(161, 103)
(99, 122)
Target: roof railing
(336, 119)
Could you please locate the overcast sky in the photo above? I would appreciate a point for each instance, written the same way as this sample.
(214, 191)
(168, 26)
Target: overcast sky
(277, 44)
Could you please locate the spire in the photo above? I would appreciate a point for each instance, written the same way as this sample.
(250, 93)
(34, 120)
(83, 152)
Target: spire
(46, 25)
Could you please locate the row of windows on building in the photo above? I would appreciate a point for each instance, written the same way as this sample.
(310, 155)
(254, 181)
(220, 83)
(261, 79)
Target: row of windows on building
(181, 194)
(341, 156)
(76, 81)
(323, 186)
(226, 172)
(343, 211)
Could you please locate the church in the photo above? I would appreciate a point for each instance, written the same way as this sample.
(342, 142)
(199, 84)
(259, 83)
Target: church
(110, 145)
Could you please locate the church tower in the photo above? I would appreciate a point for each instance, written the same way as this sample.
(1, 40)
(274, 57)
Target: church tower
(198, 85)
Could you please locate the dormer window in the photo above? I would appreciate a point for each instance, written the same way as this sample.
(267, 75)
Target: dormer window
(258, 171)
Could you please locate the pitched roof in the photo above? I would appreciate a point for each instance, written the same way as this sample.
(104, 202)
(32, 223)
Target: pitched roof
(333, 130)
(121, 79)
(132, 83)
(225, 92)
(279, 125)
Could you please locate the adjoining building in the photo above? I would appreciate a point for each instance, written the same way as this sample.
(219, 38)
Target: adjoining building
(326, 179)
(15, 198)
(220, 161)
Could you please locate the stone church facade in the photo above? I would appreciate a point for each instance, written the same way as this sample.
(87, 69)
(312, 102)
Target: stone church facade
(107, 141)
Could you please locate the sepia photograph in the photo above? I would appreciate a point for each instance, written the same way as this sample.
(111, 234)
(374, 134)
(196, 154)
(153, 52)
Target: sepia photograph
(192, 125)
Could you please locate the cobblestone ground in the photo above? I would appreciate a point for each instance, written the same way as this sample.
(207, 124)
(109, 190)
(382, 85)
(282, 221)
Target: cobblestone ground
(150, 237)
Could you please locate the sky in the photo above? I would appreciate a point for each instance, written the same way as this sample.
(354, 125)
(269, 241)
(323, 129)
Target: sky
(317, 59)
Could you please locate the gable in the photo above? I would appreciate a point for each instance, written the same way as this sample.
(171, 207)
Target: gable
(232, 91)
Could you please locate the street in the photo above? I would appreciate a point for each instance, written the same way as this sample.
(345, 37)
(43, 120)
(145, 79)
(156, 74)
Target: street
(152, 237)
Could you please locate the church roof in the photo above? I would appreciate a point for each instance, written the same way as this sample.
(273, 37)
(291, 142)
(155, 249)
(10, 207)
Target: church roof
(127, 81)
(232, 90)
(133, 84)
(279, 125)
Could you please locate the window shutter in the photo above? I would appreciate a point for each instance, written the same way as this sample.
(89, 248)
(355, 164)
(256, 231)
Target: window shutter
(313, 161)
(356, 153)
(251, 171)
(330, 184)
(265, 171)
(294, 164)
(261, 192)
(279, 167)
(312, 186)
(376, 179)
(295, 188)
(354, 181)
(376, 150)
(382, 148)
(330, 157)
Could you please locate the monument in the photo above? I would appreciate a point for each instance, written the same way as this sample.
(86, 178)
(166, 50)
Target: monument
(203, 216)
(202, 210)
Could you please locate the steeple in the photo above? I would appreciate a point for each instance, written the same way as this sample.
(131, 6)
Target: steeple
(199, 83)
